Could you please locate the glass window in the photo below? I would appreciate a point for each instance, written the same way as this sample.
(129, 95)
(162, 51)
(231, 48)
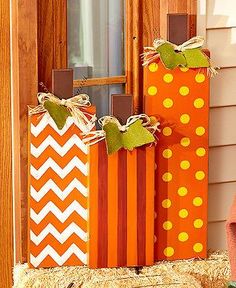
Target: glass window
(96, 45)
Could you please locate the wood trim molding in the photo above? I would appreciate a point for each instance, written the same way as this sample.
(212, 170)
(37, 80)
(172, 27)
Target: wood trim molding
(6, 210)
(99, 81)
(52, 38)
(24, 67)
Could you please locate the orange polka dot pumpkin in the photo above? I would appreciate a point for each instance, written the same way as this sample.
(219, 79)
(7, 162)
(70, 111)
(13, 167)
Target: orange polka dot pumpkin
(180, 98)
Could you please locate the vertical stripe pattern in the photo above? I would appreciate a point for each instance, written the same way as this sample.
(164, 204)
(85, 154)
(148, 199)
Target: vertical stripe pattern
(125, 212)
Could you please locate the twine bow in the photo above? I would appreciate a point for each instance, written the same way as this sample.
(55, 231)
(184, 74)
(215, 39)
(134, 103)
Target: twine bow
(84, 120)
(94, 137)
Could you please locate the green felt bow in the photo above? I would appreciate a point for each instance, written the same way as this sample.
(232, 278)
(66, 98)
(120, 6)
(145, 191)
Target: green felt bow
(135, 136)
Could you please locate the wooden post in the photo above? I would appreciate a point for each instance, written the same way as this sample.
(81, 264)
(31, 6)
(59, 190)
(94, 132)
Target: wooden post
(122, 106)
(6, 221)
(62, 83)
(24, 67)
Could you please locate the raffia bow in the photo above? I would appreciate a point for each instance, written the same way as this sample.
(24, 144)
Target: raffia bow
(94, 137)
(84, 120)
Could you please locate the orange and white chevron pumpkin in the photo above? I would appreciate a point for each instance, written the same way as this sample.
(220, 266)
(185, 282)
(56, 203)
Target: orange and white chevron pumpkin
(58, 170)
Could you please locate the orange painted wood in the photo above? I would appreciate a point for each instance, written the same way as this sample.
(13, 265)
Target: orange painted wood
(6, 221)
(52, 38)
(181, 157)
(121, 209)
(24, 85)
(100, 81)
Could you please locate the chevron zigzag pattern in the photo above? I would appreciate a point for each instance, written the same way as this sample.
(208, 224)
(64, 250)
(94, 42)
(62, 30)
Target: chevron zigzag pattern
(62, 194)
(59, 259)
(58, 193)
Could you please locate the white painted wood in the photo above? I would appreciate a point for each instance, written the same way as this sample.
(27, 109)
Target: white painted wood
(223, 88)
(222, 164)
(217, 236)
(221, 13)
(220, 200)
(222, 126)
(222, 44)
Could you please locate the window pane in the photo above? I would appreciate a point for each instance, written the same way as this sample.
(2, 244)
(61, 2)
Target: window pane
(96, 37)
(100, 96)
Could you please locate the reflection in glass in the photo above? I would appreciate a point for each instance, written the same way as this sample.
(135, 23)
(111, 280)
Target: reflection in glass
(95, 44)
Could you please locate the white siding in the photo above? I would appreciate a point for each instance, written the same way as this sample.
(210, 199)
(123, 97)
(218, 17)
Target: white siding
(217, 23)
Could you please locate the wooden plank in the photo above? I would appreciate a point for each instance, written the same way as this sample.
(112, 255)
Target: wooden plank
(227, 44)
(178, 7)
(222, 166)
(100, 81)
(220, 200)
(151, 21)
(221, 15)
(223, 88)
(6, 221)
(217, 236)
(24, 85)
(52, 38)
(222, 126)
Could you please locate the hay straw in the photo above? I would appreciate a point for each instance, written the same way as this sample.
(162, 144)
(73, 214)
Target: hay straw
(211, 273)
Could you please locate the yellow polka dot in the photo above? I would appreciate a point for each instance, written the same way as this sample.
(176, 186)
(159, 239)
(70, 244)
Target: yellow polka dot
(168, 78)
(198, 247)
(166, 203)
(168, 103)
(167, 131)
(199, 103)
(167, 177)
(183, 236)
(183, 213)
(199, 175)
(200, 78)
(185, 142)
(185, 164)
(152, 90)
(167, 153)
(198, 223)
(169, 251)
(184, 69)
(184, 90)
(182, 191)
(185, 118)
(153, 67)
(167, 225)
(201, 152)
(200, 131)
(197, 201)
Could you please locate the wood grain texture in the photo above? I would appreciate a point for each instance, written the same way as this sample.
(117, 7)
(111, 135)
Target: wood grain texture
(52, 38)
(100, 81)
(6, 223)
(24, 85)
(174, 7)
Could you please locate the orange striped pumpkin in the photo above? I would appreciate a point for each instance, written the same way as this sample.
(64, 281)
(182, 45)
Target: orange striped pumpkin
(121, 207)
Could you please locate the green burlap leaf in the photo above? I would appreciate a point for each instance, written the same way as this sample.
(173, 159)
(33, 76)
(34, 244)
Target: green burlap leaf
(135, 136)
(232, 284)
(169, 57)
(195, 58)
(58, 113)
(113, 137)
